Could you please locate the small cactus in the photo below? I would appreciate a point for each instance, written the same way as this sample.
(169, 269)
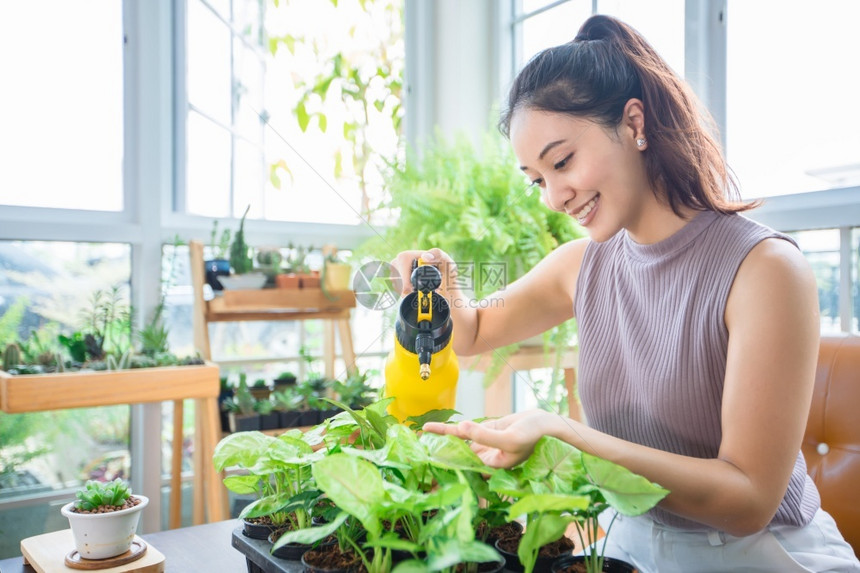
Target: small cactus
(11, 356)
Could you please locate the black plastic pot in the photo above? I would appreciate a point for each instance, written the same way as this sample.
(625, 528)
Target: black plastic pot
(512, 561)
(310, 568)
(309, 418)
(610, 565)
(289, 419)
(284, 382)
(256, 530)
(239, 423)
(270, 421)
(291, 551)
(216, 268)
(326, 414)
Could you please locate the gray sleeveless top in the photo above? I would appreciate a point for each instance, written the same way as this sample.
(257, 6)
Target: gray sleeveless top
(653, 343)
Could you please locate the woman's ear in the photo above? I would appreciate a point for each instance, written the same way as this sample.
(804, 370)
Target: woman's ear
(634, 122)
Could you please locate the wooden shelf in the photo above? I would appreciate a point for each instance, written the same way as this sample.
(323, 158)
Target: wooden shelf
(40, 392)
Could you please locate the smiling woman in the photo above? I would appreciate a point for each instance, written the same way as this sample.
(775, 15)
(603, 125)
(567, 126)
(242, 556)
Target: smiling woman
(684, 308)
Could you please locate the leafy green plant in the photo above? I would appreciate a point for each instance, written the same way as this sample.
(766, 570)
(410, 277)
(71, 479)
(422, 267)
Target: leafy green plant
(153, 337)
(278, 472)
(559, 485)
(240, 260)
(355, 392)
(97, 494)
(220, 245)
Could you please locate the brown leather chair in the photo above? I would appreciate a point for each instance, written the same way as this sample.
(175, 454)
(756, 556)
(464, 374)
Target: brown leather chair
(831, 444)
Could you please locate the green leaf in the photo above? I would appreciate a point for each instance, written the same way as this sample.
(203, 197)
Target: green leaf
(411, 566)
(403, 446)
(266, 505)
(451, 552)
(302, 115)
(243, 484)
(417, 422)
(355, 486)
(451, 452)
(540, 531)
(241, 449)
(323, 122)
(543, 502)
(311, 535)
(506, 482)
(627, 492)
(556, 462)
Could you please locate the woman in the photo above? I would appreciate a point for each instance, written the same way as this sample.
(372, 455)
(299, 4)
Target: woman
(698, 328)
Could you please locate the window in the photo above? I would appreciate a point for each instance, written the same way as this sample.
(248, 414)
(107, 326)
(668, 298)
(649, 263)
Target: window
(789, 86)
(62, 104)
(224, 71)
(543, 24)
(293, 108)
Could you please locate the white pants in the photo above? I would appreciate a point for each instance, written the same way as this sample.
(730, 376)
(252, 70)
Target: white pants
(655, 548)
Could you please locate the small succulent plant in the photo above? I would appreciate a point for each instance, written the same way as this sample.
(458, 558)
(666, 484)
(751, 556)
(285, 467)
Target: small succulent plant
(97, 494)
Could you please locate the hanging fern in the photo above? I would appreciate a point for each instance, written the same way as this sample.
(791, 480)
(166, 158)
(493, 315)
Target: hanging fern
(476, 206)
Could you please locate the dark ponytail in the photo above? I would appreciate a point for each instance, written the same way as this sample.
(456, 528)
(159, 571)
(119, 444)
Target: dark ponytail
(594, 77)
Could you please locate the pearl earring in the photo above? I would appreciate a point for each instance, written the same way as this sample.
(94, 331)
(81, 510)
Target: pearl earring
(640, 142)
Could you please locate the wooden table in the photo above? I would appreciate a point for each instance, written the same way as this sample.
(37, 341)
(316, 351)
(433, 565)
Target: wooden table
(204, 548)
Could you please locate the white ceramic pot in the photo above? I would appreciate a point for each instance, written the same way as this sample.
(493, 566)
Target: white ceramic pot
(103, 535)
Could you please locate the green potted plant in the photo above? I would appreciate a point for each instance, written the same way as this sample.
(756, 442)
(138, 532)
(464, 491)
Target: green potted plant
(219, 264)
(294, 263)
(240, 408)
(104, 518)
(284, 379)
(335, 273)
(277, 471)
(260, 390)
(559, 485)
(242, 263)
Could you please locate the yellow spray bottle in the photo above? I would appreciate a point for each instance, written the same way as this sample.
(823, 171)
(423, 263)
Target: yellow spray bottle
(421, 372)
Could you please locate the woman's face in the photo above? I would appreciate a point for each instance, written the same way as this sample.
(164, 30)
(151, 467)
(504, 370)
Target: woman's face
(594, 175)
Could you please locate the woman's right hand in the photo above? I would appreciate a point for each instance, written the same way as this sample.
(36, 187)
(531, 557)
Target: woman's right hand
(436, 257)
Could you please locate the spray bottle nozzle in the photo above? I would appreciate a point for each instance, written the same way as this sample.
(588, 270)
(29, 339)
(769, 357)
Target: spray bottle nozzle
(424, 349)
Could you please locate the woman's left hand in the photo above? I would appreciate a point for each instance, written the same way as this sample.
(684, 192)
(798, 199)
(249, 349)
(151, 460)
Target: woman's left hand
(501, 442)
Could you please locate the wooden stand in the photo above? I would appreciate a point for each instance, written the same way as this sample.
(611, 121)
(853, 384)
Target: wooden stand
(40, 392)
(47, 554)
(270, 304)
(498, 397)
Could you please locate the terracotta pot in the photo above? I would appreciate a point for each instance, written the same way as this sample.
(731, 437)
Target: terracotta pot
(310, 280)
(287, 280)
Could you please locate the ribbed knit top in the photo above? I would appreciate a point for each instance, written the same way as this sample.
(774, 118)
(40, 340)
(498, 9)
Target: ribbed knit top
(653, 344)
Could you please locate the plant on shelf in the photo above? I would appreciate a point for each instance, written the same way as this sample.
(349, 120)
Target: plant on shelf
(355, 392)
(240, 260)
(260, 390)
(104, 518)
(240, 408)
(220, 245)
(335, 272)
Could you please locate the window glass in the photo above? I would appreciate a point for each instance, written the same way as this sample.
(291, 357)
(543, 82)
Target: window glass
(788, 91)
(319, 101)
(821, 249)
(47, 289)
(208, 79)
(855, 279)
(552, 28)
(61, 107)
(207, 167)
(660, 21)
